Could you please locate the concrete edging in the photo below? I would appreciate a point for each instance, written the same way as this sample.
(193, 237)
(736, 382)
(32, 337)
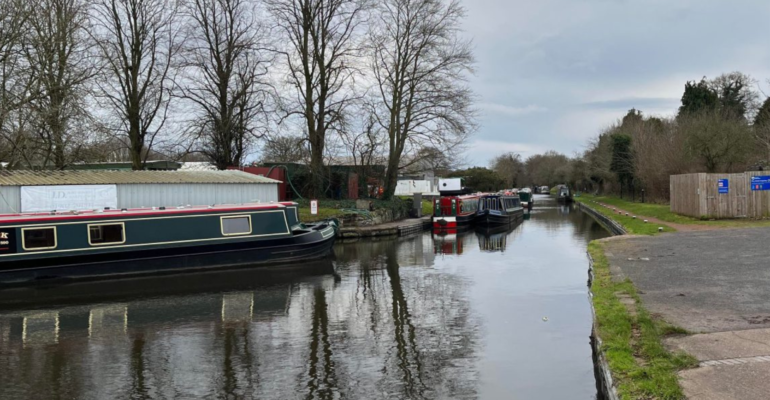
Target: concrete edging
(612, 226)
(604, 382)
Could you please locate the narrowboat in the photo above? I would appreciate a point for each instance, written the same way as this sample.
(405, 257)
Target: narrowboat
(496, 209)
(563, 194)
(55, 245)
(527, 200)
(454, 212)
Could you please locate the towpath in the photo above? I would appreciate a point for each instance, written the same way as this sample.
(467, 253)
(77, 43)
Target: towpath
(714, 283)
(678, 227)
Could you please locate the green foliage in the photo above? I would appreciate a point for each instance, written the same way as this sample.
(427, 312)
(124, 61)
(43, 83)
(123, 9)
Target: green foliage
(479, 178)
(633, 117)
(622, 158)
(338, 208)
(641, 366)
(731, 94)
(698, 97)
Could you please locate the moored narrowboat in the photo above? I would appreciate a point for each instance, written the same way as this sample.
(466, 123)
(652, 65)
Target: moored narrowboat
(563, 194)
(527, 200)
(44, 246)
(454, 212)
(496, 209)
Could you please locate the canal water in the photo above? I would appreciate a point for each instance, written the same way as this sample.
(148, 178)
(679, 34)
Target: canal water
(476, 315)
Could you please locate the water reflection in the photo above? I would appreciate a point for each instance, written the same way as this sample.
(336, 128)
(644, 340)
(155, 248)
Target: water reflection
(424, 317)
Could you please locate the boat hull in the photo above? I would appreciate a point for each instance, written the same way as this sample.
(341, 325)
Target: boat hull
(448, 223)
(297, 248)
(490, 219)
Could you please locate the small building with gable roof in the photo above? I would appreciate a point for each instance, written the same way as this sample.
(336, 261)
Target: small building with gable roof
(36, 191)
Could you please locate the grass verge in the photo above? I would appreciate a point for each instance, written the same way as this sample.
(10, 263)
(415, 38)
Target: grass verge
(634, 226)
(631, 340)
(663, 213)
(323, 213)
(339, 208)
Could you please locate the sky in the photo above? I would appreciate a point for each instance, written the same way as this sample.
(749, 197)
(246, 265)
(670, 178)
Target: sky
(551, 74)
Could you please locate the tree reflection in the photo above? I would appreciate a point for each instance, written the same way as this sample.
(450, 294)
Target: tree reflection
(322, 382)
(404, 332)
(138, 385)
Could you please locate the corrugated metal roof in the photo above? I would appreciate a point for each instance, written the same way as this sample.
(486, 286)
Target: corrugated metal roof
(40, 178)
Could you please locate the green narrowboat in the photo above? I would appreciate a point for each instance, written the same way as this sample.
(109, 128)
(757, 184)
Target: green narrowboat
(44, 246)
(527, 200)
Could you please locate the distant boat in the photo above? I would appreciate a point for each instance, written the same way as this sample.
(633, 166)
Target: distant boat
(563, 194)
(497, 209)
(44, 246)
(454, 212)
(527, 200)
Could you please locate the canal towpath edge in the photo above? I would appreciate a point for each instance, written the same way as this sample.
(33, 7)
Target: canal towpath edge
(631, 361)
(711, 283)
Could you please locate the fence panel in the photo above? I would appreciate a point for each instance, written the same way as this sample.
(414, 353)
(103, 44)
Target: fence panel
(697, 195)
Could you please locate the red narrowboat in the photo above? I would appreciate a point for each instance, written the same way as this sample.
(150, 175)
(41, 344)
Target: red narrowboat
(454, 212)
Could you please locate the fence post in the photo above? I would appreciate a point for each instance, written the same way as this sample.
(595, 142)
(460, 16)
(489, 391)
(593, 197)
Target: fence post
(642, 195)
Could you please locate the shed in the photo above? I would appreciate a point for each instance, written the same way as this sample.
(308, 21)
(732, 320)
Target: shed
(27, 191)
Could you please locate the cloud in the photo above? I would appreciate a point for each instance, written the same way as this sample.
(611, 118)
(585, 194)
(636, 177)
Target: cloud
(511, 111)
(553, 73)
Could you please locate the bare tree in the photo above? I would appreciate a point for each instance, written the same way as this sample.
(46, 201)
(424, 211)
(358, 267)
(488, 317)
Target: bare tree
(321, 51)
(420, 66)
(60, 66)
(137, 41)
(16, 86)
(227, 64)
(510, 167)
(285, 149)
(366, 146)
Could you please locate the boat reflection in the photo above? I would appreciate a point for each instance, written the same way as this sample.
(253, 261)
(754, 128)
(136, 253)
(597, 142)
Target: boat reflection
(494, 239)
(450, 243)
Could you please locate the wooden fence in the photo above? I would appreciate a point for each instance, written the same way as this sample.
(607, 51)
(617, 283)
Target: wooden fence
(697, 195)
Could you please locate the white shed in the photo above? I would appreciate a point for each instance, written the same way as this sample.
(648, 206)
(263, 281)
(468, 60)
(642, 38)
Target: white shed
(30, 191)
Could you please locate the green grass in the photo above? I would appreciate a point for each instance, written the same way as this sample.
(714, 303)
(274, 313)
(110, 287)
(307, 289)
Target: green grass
(634, 226)
(641, 367)
(663, 213)
(323, 213)
(427, 208)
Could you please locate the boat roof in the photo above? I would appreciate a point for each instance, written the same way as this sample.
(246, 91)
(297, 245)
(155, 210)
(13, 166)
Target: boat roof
(55, 216)
(90, 177)
(464, 196)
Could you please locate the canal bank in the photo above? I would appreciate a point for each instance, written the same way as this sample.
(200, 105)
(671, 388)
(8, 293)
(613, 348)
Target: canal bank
(631, 361)
(712, 284)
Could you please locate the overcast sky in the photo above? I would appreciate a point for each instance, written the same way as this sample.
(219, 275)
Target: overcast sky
(552, 73)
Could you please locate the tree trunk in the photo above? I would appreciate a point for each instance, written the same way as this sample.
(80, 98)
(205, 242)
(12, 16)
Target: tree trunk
(316, 167)
(391, 175)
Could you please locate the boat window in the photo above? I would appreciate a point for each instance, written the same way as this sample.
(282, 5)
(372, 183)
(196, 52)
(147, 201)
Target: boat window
(240, 225)
(38, 238)
(106, 234)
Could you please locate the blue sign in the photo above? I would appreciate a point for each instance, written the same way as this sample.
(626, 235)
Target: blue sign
(760, 182)
(724, 186)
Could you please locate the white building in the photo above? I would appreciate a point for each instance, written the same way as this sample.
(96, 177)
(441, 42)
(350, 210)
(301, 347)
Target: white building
(30, 191)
